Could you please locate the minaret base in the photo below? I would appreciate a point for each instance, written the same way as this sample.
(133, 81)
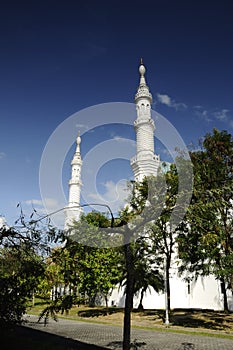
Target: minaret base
(72, 215)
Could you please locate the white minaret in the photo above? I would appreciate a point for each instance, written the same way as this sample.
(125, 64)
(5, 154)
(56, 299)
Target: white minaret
(145, 163)
(73, 210)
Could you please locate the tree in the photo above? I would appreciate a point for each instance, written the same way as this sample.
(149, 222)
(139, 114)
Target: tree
(163, 233)
(146, 270)
(22, 252)
(87, 271)
(145, 206)
(159, 195)
(205, 241)
(54, 272)
(98, 266)
(20, 270)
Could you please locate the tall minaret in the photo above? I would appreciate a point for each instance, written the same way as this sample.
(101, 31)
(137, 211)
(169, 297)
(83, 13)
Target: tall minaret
(145, 163)
(73, 210)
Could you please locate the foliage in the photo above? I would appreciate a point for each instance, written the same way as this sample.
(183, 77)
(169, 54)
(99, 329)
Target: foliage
(154, 202)
(20, 269)
(97, 267)
(93, 230)
(205, 241)
(146, 271)
(83, 271)
(22, 252)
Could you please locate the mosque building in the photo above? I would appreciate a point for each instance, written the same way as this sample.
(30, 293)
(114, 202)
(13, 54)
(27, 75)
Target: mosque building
(203, 293)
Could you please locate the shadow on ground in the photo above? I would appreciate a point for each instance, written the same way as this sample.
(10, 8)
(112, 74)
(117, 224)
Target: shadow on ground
(208, 319)
(187, 318)
(96, 312)
(135, 345)
(23, 338)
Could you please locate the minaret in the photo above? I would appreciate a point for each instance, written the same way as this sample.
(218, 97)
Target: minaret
(73, 210)
(145, 163)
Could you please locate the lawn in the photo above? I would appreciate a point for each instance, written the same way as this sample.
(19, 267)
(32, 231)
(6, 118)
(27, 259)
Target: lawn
(193, 320)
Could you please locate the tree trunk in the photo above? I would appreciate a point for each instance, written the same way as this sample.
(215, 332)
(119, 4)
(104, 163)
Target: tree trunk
(91, 302)
(128, 297)
(33, 298)
(140, 306)
(224, 292)
(168, 288)
(106, 301)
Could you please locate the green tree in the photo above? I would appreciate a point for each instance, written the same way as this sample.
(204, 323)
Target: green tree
(54, 272)
(205, 241)
(145, 206)
(20, 270)
(159, 194)
(146, 267)
(98, 266)
(87, 271)
(23, 249)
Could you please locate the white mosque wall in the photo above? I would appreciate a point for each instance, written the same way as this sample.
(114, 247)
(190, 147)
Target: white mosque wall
(204, 293)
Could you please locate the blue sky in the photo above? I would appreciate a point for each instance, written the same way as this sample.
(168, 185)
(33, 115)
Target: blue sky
(59, 57)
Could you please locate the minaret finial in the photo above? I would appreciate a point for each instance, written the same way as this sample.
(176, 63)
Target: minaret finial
(143, 89)
(142, 71)
(78, 141)
(141, 61)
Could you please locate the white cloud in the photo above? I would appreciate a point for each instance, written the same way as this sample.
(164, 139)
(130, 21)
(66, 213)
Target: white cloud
(203, 114)
(3, 222)
(48, 202)
(124, 140)
(214, 116)
(224, 116)
(115, 195)
(42, 208)
(231, 123)
(221, 115)
(168, 101)
(2, 155)
(81, 127)
(164, 99)
(33, 202)
(198, 107)
(208, 116)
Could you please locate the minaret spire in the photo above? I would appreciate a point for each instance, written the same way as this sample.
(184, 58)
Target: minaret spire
(145, 162)
(142, 71)
(78, 141)
(143, 89)
(73, 210)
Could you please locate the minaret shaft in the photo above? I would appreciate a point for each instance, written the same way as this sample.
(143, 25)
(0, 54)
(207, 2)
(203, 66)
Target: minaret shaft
(73, 209)
(145, 163)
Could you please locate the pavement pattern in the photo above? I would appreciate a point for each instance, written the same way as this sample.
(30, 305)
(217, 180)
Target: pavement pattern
(99, 336)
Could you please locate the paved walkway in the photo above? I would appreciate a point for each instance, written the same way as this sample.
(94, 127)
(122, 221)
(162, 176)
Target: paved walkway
(110, 337)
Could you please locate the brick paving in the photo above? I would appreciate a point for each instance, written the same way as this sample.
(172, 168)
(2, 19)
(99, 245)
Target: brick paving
(110, 337)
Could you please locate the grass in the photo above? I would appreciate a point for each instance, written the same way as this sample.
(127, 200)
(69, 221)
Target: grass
(201, 322)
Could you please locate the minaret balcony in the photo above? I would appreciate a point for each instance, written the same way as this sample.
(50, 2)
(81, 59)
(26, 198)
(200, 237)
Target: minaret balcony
(76, 160)
(142, 93)
(144, 120)
(145, 157)
(75, 182)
